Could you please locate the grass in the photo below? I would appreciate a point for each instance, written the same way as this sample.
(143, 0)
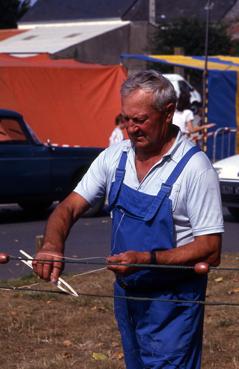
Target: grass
(55, 331)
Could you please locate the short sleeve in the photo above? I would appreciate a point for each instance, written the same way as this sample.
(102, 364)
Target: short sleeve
(93, 184)
(188, 115)
(97, 181)
(204, 204)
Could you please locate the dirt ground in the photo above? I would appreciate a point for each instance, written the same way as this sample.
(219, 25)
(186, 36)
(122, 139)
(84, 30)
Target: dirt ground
(55, 331)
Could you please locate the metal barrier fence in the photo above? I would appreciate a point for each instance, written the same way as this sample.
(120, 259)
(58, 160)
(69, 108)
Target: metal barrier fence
(218, 143)
(224, 143)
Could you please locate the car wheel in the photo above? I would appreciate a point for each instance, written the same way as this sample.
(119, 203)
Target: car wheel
(35, 207)
(234, 212)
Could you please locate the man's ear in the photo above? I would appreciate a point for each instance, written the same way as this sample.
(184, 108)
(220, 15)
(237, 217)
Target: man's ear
(169, 112)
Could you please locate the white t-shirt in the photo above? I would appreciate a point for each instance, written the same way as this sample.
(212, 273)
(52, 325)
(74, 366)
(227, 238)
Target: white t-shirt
(116, 136)
(196, 200)
(181, 118)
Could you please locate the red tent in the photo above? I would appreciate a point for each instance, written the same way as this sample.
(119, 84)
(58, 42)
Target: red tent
(62, 100)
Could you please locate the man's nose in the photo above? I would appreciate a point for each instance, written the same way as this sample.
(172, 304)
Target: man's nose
(133, 127)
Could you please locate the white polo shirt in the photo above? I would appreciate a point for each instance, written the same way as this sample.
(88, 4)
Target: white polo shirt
(181, 118)
(116, 136)
(196, 200)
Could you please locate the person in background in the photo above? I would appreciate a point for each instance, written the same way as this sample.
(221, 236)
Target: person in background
(164, 197)
(117, 135)
(183, 116)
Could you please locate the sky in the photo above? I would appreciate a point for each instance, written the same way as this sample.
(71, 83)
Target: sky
(32, 2)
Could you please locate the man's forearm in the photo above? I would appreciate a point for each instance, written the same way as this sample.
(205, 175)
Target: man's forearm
(57, 229)
(203, 249)
(61, 221)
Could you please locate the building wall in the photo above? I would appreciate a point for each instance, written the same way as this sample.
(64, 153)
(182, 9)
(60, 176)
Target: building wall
(103, 49)
(138, 44)
(107, 48)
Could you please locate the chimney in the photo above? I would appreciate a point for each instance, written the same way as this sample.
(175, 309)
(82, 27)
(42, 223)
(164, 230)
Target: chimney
(152, 12)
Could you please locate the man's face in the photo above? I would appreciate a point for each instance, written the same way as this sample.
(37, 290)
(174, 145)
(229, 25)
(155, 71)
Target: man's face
(146, 127)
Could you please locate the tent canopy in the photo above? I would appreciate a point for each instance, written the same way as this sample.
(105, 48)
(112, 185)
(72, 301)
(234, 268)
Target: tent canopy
(223, 85)
(63, 100)
(215, 63)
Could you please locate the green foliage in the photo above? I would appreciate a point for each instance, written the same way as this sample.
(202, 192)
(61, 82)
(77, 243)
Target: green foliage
(189, 34)
(11, 11)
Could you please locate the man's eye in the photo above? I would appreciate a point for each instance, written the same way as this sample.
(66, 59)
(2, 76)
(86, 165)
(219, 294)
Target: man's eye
(139, 120)
(125, 118)
(134, 120)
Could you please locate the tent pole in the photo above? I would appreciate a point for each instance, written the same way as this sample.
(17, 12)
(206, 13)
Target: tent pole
(208, 7)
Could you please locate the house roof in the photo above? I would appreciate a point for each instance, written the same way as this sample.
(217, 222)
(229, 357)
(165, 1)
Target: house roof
(56, 37)
(134, 10)
(68, 10)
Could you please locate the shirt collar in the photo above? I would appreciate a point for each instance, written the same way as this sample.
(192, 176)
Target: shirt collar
(174, 153)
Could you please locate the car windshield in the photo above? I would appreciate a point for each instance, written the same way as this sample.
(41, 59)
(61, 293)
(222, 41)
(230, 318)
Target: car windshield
(33, 134)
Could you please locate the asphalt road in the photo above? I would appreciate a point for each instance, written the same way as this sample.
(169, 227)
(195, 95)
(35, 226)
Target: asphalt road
(90, 237)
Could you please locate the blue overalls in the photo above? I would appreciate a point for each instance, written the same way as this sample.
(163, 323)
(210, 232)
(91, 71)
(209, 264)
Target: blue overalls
(155, 334)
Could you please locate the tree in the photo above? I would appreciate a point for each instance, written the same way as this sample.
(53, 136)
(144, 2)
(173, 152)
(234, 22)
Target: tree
(11, 11)
(189, 34)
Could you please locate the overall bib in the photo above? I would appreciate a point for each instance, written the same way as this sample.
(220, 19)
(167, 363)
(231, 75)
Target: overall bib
(155, 334)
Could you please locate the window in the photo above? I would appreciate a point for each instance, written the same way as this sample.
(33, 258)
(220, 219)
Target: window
(11, 131)
(72, 35)
(28, 38)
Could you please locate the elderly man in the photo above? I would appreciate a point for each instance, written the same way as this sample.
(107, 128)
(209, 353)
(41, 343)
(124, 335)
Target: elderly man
(164, 197)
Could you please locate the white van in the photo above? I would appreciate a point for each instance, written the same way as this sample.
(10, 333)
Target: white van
(177, 81)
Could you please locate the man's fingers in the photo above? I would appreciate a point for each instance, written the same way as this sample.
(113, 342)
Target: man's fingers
(39, 269)
(49, 269)
(57, 269)
(46, 271)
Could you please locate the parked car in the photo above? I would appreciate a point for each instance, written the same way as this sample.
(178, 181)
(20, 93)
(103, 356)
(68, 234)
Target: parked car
(179, 82)
(228, 172)
(34, 174)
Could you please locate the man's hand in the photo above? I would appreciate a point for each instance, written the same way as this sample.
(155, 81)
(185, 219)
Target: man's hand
(128, 257)
(48, 270)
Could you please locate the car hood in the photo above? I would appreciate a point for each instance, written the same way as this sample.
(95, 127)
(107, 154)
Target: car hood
(75, 150)
(228, 168)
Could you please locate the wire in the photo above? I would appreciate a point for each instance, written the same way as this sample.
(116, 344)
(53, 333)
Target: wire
(88, 261)
(134, 298)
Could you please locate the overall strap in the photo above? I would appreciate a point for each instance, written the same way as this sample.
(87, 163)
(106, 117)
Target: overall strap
(119, 177)
(166, 187)
(180, 166)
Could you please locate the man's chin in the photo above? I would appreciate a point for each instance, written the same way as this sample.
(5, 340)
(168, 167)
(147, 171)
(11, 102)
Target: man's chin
(139, 141)
(140, 144)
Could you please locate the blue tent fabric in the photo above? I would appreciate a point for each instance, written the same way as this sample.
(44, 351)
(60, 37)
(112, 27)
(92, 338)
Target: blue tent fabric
(222, 109)
(222, 87)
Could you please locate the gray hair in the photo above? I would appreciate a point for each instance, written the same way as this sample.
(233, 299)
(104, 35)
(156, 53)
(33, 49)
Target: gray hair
(154, 82)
